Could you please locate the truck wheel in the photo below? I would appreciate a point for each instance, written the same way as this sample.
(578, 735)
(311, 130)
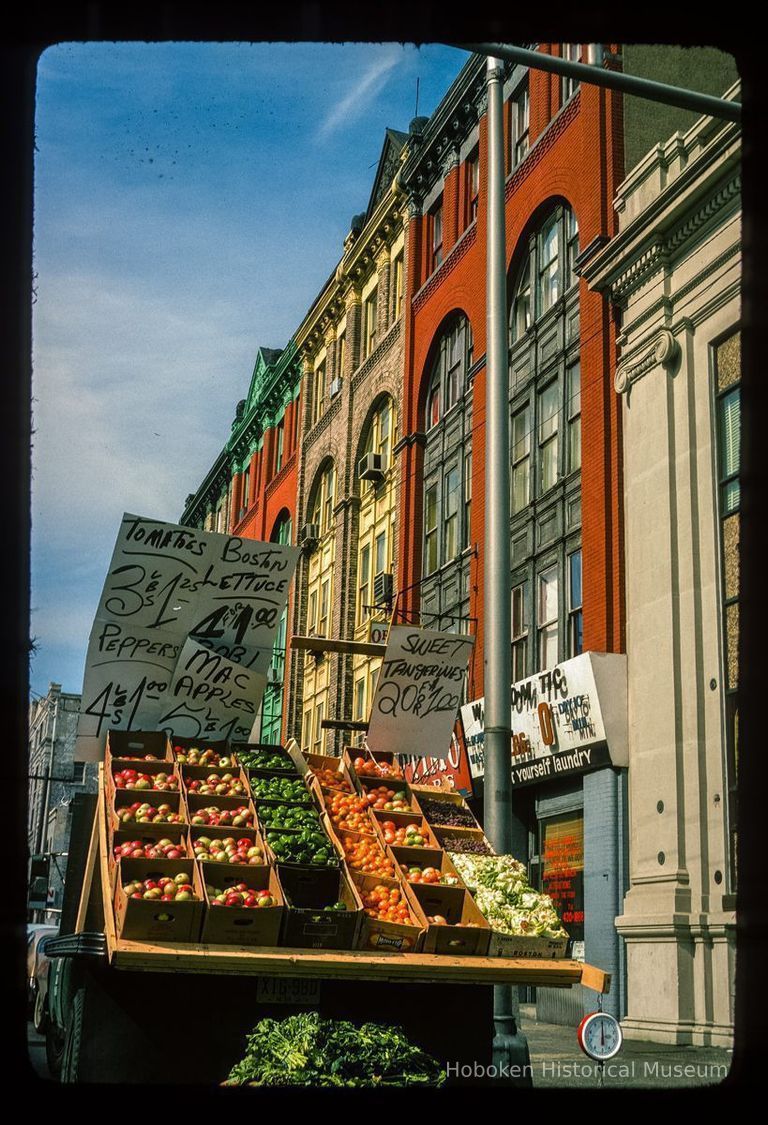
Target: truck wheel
(54, 1049)
(40, 1017)
(71, 1051)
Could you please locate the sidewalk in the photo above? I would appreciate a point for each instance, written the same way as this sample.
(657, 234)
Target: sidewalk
(557, 1060)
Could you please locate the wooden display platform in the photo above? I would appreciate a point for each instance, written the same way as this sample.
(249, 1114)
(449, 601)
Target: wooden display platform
(320, 645)
(417, 968)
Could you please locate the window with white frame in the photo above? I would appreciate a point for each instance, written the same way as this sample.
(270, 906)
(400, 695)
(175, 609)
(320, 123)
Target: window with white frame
(548, 286)
(569, 86)
(519, 633)
(370, 321)
(449, 373)
(519, 125)
(397, 282)
(547, 618)
(575, 621)
(430, 530)
(573, 414)
(548, 413)
(520, 315)
(436, 227)
(318, 392)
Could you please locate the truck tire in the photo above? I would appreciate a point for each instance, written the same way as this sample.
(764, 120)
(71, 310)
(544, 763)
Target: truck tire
(71, 1052)
(54, 1049)
(40, 1015)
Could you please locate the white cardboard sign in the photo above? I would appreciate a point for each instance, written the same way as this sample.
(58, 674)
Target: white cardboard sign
(577, 705)
(166, 583)
(211, 697)
(418, 691)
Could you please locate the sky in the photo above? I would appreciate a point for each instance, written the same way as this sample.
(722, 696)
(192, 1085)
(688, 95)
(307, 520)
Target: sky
(191, 200)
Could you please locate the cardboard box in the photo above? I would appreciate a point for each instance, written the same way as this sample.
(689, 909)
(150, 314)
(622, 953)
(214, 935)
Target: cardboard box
(402, 820)
(334, 850)
(123, 798)
(202, 773)
(509, 945)
(116, 765)
(344, 837)
(366, 827)
(264, 809)
(242, 925)
(213, 832)
(445, 797)
(389, 936)
(306, 925)
(425, 857)
(367, 784)
(136, 744)
(196, 803)
(443, 836)
(383, 757)
(308, 764)
(458, 907)
(153, 920)
(221, 748)
(239, 748)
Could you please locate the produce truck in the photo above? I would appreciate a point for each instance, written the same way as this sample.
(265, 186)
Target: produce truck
(153, 989)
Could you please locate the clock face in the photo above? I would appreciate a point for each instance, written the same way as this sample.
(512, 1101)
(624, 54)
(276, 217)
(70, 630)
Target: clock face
(600, 1036)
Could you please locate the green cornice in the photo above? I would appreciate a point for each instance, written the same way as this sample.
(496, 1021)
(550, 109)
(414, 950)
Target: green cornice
(274, 384)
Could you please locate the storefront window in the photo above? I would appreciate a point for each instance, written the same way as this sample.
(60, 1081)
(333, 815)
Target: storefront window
(562, 868)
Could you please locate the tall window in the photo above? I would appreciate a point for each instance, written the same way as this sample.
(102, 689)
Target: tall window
(547, 618)
(467, 497)
(573, 414)
(571, 248)
(322, 509)
(246, 487)
(548, 411)
(436, 224)
(341, 353)
(279, 442)
(370, 314)
(521, 459)
(451, 509)
(548, 287)
(472, 187)
(574, 604)
(519, 126)
(449, 374)
(430, 530)
(364, 588)
(569, 86)
(519, 633)
(520, 316)
(318, 392)
(728, 412)
(397, 281)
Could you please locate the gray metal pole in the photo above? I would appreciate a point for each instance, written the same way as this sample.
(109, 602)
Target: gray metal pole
(510, 1048)
(613, 80)
(497, 624)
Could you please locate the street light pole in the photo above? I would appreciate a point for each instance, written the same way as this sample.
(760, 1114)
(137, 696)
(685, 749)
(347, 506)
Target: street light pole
(509, 1045)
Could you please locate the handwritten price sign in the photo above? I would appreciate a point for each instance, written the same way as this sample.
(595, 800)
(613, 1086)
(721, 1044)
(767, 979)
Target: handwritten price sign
(418, 691)
(167, 583)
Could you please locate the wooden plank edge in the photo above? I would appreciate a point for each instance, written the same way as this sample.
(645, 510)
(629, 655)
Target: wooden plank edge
(85, 893)
(103, 874)
(596, 979)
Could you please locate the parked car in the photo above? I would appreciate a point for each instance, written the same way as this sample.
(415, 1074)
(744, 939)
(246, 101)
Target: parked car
(37, 967)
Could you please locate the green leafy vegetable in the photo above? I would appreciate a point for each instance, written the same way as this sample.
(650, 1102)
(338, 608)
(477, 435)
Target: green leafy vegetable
(304, 1050)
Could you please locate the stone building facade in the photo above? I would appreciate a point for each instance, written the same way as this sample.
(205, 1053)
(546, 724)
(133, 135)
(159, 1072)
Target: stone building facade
(673, 270)
(351, 349)
(54, 779)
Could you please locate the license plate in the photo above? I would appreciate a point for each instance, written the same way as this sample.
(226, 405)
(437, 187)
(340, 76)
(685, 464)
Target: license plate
(288, 990)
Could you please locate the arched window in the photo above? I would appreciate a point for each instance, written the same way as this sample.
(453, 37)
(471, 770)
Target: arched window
(447, 497)
(449, 373)
(281, 532)
(545, 445)
(321, 508)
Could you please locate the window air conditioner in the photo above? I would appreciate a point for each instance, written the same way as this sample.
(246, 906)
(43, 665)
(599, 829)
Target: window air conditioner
(371, 467)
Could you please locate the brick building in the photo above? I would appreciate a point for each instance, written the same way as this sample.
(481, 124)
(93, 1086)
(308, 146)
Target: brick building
(563, 163)
(54, 779)
(251, 490)
(351, 349)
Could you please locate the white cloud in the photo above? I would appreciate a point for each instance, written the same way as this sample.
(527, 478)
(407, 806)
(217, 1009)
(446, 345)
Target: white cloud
(356, 100)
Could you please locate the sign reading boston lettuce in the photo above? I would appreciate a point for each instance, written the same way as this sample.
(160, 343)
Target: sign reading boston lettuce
(566, 720)
(418, 691)
(172, 595)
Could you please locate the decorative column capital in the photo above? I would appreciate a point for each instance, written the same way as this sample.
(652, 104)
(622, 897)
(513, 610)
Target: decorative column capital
(664, 350)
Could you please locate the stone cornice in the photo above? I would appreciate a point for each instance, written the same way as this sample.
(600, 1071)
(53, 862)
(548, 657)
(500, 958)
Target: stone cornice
(687, 206)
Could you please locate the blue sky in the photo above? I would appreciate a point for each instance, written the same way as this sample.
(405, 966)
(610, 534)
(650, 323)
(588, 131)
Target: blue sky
(190, 201)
